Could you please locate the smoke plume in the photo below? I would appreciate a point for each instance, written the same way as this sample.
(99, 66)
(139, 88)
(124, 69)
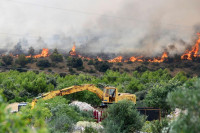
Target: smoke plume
(137, 27)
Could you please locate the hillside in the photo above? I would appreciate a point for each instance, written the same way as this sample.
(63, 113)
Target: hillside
(191, 68)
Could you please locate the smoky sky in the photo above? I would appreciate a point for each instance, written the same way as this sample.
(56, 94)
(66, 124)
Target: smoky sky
(140, 27)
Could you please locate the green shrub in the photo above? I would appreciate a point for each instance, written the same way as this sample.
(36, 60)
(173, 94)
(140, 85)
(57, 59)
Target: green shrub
(7, 59)
(123, 117)
(56, 57)
(187, 99)
(43, 63)
(102, 66)
(90, 62)
(75, 62)
(22, 60)
(90, 130)
(158, 126)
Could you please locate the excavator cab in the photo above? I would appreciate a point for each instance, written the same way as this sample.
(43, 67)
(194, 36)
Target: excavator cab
(109, 95)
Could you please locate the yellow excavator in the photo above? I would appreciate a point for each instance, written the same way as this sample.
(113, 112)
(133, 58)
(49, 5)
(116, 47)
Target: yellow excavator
(108, 96)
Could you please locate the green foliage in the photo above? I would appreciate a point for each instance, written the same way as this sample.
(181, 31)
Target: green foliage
(43, 63)
(134, 86)
(56, 57)
(147, 127)
(75, 62)
(63, 116)
(102, 66)
(11, 122)
(123, 118)
(90, 130)
(85, 96)
(158, 126)
(186, 99)
(7, 59)
(90, 62)
(22, 86)
(157, 95)
(22, 60)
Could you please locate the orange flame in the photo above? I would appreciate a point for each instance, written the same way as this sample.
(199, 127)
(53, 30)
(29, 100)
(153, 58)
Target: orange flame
(163, 57)
(44, 53)
(133, 59)
(117, 59)
(73, 50)
(99, 59)
(194, 52)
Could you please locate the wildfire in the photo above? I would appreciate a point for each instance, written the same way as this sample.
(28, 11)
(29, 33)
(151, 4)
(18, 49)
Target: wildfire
(117, 59)
(163, 57)
(44, 53)
(194, 52)
(133, 59)
(99, 59)
(73, 51)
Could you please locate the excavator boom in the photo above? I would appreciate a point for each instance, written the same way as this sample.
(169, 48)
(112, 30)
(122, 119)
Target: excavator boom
(110, 94)
(70, 90)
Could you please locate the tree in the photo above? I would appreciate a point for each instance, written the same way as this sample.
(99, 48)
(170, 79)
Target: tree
(11, 122)
(31, 51)
(75, 62)
(22, 60)
(43, 63)
(102, 66)
(56, 57)
(157, 95)
(186, 99)
(123, 118)
(7, 59)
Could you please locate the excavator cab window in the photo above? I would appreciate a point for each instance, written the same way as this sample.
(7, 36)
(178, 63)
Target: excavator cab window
(110, 94)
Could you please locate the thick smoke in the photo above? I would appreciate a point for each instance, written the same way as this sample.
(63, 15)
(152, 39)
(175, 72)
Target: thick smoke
(148, 29)
(136, 27)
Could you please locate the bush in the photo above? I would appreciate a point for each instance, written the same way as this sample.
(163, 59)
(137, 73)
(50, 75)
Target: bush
(123, 117)
(158, 126)
(90, 62)
(7, 59)
(102, 66)
(56, 57)
(119, 64)
(141, 68)
(157, 95)
(90, 130)
(22, 60)
(75, 62)
(71, 70)
(186, 98)
(43, 63)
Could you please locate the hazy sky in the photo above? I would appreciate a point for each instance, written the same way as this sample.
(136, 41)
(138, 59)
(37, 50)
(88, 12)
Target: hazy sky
(99, 25)
(22, 18)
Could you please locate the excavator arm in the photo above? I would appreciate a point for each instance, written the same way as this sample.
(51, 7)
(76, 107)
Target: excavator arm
(70, 90)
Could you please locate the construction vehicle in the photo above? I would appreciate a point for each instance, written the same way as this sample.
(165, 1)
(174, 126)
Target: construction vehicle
(108, 95)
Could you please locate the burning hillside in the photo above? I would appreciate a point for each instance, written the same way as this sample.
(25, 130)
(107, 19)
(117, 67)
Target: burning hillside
(120, 58)
(44, 53)
(188, 55)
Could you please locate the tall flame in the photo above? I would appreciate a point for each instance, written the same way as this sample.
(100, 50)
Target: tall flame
(73, 50)
(44, 53)
(194, 52)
